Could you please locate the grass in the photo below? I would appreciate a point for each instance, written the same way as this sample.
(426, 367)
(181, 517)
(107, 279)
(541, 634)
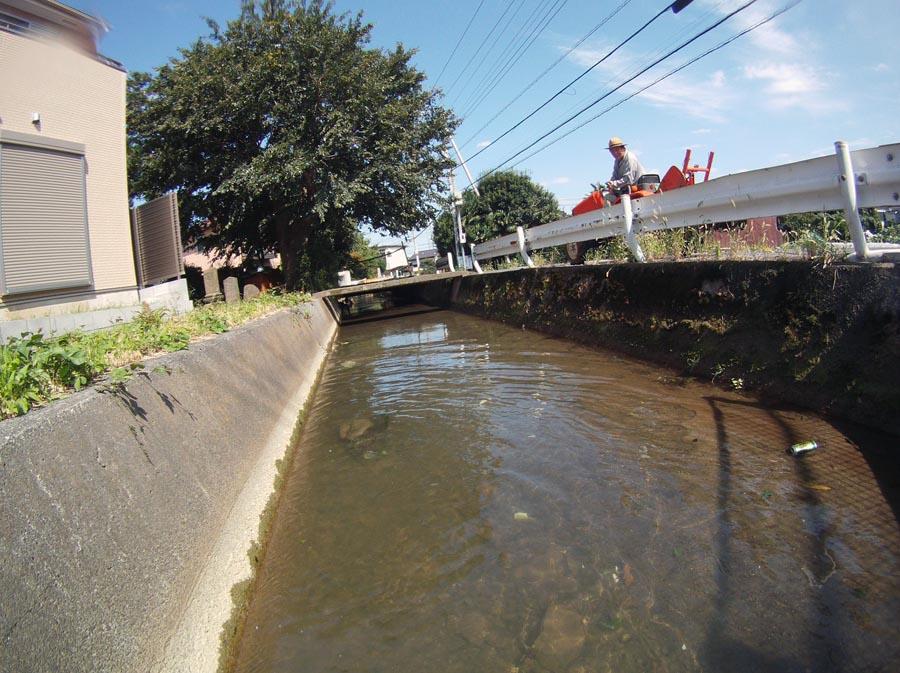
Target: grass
(35, 370)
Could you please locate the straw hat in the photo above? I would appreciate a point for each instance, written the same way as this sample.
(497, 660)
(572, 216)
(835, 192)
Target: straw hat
(615, 141)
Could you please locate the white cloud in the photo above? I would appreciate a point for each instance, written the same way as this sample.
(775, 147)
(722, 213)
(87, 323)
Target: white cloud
(882, 67)
(699, 132)
(792, 85)
(769, 37)
(785, 78)
(562, 180)
(707, 98)
(483, 144)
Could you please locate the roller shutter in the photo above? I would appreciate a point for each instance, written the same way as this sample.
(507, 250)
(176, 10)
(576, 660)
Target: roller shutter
(43, 220)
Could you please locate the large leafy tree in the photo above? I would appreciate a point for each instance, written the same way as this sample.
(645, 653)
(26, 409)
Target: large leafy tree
(507, 199)
(285, 132)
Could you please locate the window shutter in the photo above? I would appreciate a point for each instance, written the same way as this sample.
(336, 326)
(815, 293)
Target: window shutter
(43, 220)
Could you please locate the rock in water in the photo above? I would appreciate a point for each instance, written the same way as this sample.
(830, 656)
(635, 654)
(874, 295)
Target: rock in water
(561, 639)
(355, 429)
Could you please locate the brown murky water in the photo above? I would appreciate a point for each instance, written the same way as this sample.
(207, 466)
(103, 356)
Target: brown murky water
(469, 498)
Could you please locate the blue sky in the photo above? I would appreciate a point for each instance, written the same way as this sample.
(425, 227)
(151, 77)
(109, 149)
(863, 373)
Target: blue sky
(825, 70)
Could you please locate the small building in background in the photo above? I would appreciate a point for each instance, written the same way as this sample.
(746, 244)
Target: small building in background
(396, 261)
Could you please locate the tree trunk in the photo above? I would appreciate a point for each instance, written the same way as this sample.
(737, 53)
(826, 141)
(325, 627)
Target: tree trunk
(293, 235)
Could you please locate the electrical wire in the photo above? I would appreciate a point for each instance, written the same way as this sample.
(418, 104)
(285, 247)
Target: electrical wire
(663, 46)
(485, 40)
(552, 65)
(560, 92)
(458, 42)
(660, 79)
(517, 55)
(612, 91)
(493, 67)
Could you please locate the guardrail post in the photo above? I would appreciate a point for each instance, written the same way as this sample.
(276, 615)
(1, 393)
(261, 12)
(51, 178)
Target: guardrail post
(475, 263)
(848, 189)
(633, 244)
(520, 234)
(450, 262)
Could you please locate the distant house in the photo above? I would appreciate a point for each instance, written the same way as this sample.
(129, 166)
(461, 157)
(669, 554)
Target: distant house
(66, 251)
(395, 260)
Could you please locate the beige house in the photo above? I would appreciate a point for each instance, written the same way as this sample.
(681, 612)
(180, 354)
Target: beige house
(66, 252)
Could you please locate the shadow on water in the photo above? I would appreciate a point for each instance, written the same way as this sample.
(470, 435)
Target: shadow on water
(470, 497)
(826, 614)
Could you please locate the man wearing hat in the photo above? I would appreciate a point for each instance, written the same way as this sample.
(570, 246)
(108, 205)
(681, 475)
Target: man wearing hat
(626, 170)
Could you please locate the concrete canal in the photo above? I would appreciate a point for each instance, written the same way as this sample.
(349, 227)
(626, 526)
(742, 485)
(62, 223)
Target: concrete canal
(512, 494)
(472, 496)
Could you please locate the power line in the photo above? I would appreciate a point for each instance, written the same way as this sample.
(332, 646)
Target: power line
(516, 56)
(698, 19)
(484, 41)
(523, 27)
(458, 42)
(560, 92)
(629, 80)
(658, 80)
(552, 65)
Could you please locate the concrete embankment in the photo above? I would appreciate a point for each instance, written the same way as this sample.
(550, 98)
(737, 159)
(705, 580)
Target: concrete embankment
(128, 511)
(823, 338)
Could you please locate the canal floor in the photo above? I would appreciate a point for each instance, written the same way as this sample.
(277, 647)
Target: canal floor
(470, 497)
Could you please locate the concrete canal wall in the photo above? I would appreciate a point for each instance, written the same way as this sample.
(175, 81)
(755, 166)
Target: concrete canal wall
(127, 513)
(824, 338)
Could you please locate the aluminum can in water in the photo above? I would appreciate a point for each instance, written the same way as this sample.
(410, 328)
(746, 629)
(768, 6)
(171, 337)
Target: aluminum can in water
(803, 447)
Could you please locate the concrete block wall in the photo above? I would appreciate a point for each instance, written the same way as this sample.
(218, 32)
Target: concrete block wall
(126, 514)
(171, 296)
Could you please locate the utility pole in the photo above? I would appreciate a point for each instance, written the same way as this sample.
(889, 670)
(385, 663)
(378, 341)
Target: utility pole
(459, 236)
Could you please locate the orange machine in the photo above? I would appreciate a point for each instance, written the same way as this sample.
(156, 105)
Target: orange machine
(647, 185)
(650, 184)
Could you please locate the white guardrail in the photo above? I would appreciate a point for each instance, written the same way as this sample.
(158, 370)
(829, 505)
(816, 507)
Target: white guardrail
(847, 181)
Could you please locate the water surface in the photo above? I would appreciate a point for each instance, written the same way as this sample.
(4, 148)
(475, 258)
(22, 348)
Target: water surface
(469, 497)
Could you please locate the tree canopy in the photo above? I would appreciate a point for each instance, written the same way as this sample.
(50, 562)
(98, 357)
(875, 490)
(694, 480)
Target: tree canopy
(285, 132)
(508, 199)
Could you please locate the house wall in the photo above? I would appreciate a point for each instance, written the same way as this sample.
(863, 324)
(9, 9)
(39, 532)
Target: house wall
(80, 100)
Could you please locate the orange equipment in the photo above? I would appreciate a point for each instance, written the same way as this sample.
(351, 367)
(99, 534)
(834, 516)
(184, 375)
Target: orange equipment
(674, 178)
(690, 174)
(650, 184)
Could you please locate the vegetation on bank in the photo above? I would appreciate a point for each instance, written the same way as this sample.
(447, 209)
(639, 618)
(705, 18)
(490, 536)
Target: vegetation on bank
(821, 237)
(35, 369)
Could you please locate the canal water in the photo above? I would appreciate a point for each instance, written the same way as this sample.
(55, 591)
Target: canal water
(469, 497)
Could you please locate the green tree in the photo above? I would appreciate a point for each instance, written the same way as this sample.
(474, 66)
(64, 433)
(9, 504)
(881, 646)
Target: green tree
(365, 259)
(508, 199)
(285, 132)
